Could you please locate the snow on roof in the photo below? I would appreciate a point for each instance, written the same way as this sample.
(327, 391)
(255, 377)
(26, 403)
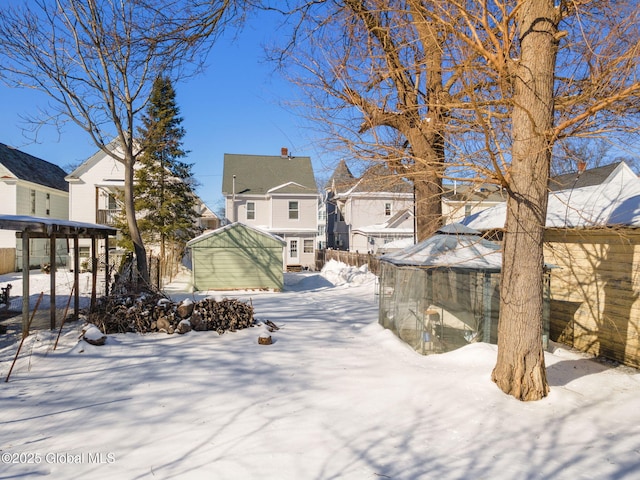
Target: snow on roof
(50, 225)
(218, 231)
(615, 202)
(382, 228)
(458, 229)
(451, 251)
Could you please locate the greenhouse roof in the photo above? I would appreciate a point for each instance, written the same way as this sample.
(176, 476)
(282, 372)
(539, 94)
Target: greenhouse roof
(464, 250)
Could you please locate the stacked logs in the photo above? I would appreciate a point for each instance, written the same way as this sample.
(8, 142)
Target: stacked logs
(152, 312)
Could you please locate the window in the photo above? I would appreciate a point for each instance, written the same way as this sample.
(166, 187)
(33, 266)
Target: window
(467, 210)
(48, 204)
(112, 202)
(387, 209)
(293, 210)
(308, 246)
(33, 202)
(251, 211)
(293, 248)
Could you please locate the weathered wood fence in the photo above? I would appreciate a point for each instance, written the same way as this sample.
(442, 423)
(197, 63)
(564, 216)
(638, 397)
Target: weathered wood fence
(7, 260)
(350, 258)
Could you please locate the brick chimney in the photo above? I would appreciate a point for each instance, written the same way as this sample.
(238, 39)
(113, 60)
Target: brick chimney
(582, 166)
(284, 152)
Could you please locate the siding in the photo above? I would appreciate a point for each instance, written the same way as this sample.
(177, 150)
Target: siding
(236, 257)
(83, 194)
(8, 198)
(364, 211)
(58, 201)
(307, 213)
(595, 292)
(235, 268)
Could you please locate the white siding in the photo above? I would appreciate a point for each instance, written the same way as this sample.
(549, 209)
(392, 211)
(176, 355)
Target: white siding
(262, 209)
(107, 172)
(307, 213)
(364, 211)
(57, 204)
(7, 238)
(8, 198)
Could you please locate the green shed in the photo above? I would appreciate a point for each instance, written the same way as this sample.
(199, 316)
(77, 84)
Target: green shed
(237, 256)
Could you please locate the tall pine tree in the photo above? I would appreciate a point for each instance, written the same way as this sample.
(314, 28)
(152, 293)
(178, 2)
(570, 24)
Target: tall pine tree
(164, 184)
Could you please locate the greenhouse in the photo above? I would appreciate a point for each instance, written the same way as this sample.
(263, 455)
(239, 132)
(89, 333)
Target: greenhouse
(443, 293)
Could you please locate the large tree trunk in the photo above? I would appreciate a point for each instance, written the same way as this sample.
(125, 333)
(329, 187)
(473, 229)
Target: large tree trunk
(427, 182)
(520, 368)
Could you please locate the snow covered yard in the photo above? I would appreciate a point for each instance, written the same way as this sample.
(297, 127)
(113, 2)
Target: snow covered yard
(334, 396)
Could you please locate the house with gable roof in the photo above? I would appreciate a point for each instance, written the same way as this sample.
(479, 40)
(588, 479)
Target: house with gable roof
(592, 237)
(94, 191)
(375, 212)
(277, 194)
(365, 213)
(34, 187)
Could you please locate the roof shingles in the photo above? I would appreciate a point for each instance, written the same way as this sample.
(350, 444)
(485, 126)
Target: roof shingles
(258, 174)
(32, 169)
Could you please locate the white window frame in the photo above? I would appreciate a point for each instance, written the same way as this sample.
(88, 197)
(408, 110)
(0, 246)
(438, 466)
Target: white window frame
(307, 245)
(251, 210)
(294, 213)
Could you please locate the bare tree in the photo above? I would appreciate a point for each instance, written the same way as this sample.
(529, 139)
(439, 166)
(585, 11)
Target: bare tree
(377, 87)
(487, 88)
(97, 60)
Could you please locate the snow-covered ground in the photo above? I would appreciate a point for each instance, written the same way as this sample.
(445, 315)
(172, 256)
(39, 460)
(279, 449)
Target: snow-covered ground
(334, 396)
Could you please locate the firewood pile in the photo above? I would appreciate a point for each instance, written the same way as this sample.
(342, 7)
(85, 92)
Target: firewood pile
(152, 312)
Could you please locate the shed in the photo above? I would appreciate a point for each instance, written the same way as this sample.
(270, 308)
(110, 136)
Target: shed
(593, 235)
(237, 256)
(443, 293)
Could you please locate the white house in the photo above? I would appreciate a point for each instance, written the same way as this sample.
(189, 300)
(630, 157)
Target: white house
(278, 194)
(30, 186)
(370, 211)
(93, 188)
(461, 200)
(93, 193)
(375, 211)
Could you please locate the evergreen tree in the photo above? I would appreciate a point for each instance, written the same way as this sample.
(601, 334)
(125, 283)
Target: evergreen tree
(164, 184)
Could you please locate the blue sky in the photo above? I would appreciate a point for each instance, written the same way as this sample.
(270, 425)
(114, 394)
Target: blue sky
(235, 106)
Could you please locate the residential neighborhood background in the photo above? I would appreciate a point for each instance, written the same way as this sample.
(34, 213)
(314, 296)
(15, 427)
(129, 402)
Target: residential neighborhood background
(276, 219)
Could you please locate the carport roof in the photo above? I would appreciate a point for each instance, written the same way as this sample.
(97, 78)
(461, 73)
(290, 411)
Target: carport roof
(45, 227)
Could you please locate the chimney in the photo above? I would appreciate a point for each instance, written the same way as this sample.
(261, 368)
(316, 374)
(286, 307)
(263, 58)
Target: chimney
(582, 165)
(284, 153)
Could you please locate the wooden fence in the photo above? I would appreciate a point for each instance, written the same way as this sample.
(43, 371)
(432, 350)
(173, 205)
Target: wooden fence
(350, 258)
(7, 260)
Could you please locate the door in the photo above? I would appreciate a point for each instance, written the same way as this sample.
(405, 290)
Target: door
(293, 251)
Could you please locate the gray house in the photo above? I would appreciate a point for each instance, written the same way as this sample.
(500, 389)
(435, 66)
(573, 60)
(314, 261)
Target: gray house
(277, 194)
(237, 256)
